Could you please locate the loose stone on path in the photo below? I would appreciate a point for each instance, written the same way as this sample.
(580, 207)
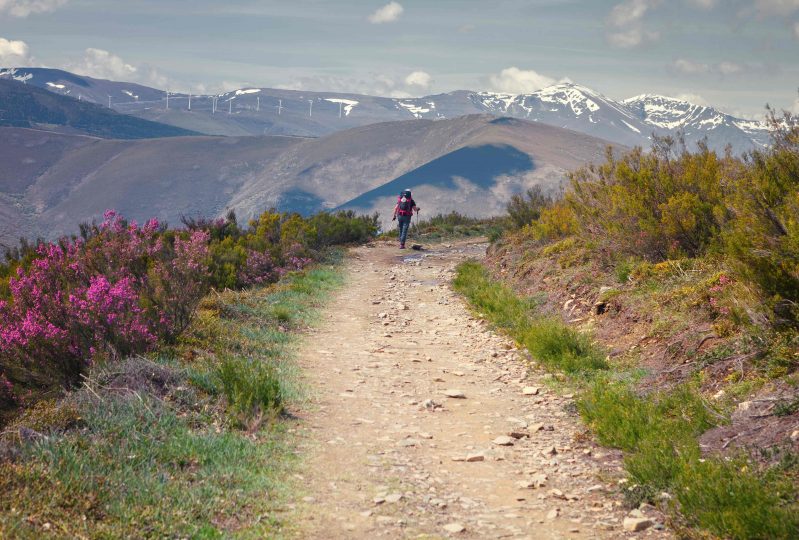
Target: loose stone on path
(412, 455)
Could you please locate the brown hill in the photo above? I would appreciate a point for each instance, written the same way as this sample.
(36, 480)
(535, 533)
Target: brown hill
(49, 182)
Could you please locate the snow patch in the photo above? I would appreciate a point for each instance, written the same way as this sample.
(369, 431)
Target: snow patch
(54, 85)
(416, 110)
(632, 127)
(349, 104)
(247, 91)
(12, 72)
(494, 98)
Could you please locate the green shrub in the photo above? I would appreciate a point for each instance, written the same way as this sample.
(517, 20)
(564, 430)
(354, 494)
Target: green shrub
(623, 419)
(251, 388)
(556, 221)
(274, 243)
(558, 346)
(624, 269)
(526, 208)
(731, 500)
(764, 238)
(653, 205)
(452, 225)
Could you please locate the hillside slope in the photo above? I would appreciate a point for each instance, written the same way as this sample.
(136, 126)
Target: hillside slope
(27, 106)
(57, 180)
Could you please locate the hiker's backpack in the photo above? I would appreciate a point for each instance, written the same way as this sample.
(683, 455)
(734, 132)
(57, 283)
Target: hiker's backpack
(405, 204)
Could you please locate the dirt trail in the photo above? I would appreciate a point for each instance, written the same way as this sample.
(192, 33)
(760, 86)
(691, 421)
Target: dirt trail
(388, 454)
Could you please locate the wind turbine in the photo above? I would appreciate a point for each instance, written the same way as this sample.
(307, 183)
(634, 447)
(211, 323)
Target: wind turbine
(258, 104)
(279, 106)
(230, 106)
(167, 100)
(310, 107)
(189, 99)
(109, 101)
(340, 105)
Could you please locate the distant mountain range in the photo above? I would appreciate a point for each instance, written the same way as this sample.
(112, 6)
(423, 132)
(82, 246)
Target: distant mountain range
(28, 106)
(259, 111)
(49, 182)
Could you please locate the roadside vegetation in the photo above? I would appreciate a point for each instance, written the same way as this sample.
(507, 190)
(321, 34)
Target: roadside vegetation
(164, 413)
(452, 225)
(664, 286)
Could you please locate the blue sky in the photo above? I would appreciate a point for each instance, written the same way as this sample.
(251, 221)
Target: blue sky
(734, 54)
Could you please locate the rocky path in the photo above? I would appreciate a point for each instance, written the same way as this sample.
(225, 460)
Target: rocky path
(426, 424)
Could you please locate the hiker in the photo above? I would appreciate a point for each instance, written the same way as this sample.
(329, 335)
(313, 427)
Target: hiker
(404, 212)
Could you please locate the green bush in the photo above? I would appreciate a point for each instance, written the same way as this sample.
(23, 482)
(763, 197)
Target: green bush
(450, 225)
(731, 500)
(526, 208)
(274, 243)
(623, 419)
(764, 237)
(653, 205)
(558, 346)
(658, 434)
(252, 388)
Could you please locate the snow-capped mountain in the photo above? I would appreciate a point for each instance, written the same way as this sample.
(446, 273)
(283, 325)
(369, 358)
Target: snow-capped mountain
(81, 87)
(260, 111)
(570, 106)
(697, 121)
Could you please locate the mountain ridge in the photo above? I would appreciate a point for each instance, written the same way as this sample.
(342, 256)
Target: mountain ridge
(23, 106)
(260, 111)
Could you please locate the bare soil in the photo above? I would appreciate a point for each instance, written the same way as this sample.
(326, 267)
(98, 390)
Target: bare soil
(387, 454)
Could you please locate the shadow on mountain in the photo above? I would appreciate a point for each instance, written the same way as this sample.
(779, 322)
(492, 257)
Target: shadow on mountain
(480, 165)
(298, 200)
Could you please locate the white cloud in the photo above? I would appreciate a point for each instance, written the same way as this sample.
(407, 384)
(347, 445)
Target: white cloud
(376, 84)
(14, 53)
(23, 8)
(729, 68)
(420, 79)
(102, 64)
(513, 80)
(631, 38)
(388, 13)
(796, 30)
(373, 84)
(689, 67)
(625, 26)
(629, 12)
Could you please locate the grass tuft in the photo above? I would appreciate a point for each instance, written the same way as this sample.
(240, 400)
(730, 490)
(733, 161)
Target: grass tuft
(251, 388)
(551, 342)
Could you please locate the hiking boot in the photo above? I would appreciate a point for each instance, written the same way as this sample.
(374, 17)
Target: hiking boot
(402, 246)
